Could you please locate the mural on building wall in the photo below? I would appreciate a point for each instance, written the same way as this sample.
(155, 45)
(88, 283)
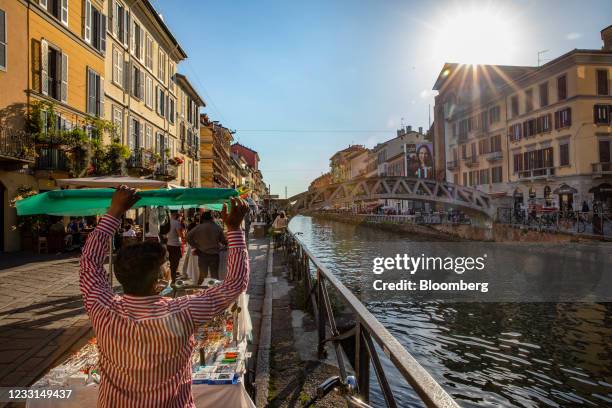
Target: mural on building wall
(420, 160)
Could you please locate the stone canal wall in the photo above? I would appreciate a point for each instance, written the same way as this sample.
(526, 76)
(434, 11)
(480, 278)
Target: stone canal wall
(498, 232)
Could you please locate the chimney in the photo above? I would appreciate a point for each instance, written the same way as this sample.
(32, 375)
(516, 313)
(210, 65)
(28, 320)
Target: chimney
(420, 129)
(408, 129)
(606, 36)
(399, 132)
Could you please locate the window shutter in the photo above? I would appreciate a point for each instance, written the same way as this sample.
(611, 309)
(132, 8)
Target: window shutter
(112, 15)
(88, 21)
(569, 117)
(64, 12)
(140, 135)
(141, 84)
(44, 67)
(89, 88)
(132, 37)
(126, 27)
(557, 120)
(131, 135)
(64, 86)
(101, 98)
(102, 33)
(142, 50)
(126, 75)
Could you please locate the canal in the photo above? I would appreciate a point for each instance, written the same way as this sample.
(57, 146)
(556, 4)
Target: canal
(483, 354)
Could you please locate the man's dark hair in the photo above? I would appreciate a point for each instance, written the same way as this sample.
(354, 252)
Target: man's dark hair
(207, 216)
(138, 266)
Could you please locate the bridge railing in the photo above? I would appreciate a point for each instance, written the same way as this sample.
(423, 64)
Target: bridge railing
(366, 332)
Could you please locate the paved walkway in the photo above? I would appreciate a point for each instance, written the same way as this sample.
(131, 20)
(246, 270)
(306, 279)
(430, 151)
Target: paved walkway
(42, 316)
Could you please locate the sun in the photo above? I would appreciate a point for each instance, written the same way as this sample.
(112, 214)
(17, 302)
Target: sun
(476, 36)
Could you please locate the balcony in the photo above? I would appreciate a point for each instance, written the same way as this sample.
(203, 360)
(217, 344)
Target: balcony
(140, 159)
(452, 165)
(165, 171)
(601, 169)
(535, 174)
(51, 158)
(16, 146)
(472, 161)
(494, 157)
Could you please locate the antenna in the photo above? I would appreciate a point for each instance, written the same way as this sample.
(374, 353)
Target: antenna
(540, 59)
(401, 122)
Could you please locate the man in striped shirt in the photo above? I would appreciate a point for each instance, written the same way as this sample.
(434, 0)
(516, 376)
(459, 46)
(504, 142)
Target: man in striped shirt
(145, 341)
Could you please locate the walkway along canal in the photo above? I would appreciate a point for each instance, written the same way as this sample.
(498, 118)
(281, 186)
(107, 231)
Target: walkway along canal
(482, 354)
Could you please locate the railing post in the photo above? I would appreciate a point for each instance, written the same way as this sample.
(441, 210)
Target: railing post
(321, 317)
(362, 364)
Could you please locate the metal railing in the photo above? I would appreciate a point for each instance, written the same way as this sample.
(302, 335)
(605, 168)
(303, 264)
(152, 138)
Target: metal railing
(15, 144)
(51, 158)
(140, 159)
(601, 168)
(495, 156)
(166, 171)
(471, 161)
(537, 173)
(366, 332)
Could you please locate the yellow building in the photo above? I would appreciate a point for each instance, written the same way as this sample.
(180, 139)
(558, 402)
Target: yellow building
(141, 92)
(206, 152)
(541, 135)
(52, 83)
(189, 131)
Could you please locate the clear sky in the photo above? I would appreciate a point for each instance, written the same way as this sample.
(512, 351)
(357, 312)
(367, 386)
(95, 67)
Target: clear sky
(299, 80)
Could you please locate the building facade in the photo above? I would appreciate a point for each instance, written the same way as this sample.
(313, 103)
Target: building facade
(188, 123)
(540, 135)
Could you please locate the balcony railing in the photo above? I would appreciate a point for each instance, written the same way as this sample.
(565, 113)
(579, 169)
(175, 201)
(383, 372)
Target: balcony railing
(51, 157)
(452, 165)
(471, 161)
(544, 172)
(140, 159)
(600, 169)
(165, 171)
(16, 145)
(495, 156)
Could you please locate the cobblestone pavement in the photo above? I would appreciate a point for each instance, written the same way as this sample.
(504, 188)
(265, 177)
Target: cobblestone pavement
(42, 314)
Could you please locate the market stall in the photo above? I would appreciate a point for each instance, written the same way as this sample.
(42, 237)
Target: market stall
(220, 356)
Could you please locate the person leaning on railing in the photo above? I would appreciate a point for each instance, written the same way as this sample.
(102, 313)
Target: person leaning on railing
(145, 341)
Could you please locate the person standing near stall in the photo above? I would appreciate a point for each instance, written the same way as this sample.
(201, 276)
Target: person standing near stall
(175, 235)
(145, 341)
(207, 238)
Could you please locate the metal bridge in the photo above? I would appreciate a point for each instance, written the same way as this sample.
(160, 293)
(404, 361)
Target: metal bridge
(395, 188)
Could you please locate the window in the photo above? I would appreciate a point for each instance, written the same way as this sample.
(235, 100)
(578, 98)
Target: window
(161, 66)
(495, 144)
(95, 27)
(529, 100)
(543, 124)
(2, 40)
(515, 132)
(57, 8)
(563, 118)
(496, 174)
(544, 94)
(604, 151)
(95, 93)
(561, 88)
(518, 162)
(601, 114)
(483, 176)
(564, 154)
(171, 77)
(530, 128)
(538, 159)
(135, 136)
(483, 146)
(149, 92)
(53, 72)
(160, 106)
(118, 122)
(515, 106)
(465, 179)
(464, 151)
(149, 52)
(137, 40)
(171, 113)
(120, 22)
(494, 114)
(118, 66)
(602, 82)
(149, 137)
(473, 151)
(137, 83)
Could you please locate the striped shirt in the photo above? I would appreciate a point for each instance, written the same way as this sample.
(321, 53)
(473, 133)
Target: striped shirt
(145, 342)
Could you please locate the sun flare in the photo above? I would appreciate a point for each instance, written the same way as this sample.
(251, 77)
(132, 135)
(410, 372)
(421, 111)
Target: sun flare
(476, 36)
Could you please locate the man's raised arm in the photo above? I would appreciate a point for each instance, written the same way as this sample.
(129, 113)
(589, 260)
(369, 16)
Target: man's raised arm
(92, 278)
(206, 305)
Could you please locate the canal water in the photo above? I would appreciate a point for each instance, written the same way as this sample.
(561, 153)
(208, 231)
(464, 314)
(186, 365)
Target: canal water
(483, 354)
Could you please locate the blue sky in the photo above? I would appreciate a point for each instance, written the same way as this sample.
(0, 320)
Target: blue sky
(299, 80)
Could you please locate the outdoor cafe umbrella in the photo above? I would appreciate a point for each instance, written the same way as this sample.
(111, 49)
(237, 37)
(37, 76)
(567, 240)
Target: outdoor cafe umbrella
(95, 201)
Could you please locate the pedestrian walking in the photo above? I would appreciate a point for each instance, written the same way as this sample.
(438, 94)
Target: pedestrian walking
(173, 243)
(207, 239)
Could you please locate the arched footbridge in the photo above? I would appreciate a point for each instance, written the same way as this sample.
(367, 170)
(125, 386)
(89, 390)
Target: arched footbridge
(395, 188)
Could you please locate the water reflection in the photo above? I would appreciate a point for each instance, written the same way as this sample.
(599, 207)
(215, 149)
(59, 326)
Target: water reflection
(483, 354)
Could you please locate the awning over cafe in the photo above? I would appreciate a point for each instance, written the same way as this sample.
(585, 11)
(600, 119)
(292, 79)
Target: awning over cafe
(602, 188)
(565, 189)
(95, 201)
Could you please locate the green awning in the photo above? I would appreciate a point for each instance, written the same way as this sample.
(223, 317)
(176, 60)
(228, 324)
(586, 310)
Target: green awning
(95, 201)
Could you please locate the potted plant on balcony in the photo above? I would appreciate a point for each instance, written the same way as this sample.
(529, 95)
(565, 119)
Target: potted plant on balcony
(176, 161)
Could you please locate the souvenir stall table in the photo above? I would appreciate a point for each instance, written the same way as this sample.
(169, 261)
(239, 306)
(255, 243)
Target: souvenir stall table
(220, 355)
